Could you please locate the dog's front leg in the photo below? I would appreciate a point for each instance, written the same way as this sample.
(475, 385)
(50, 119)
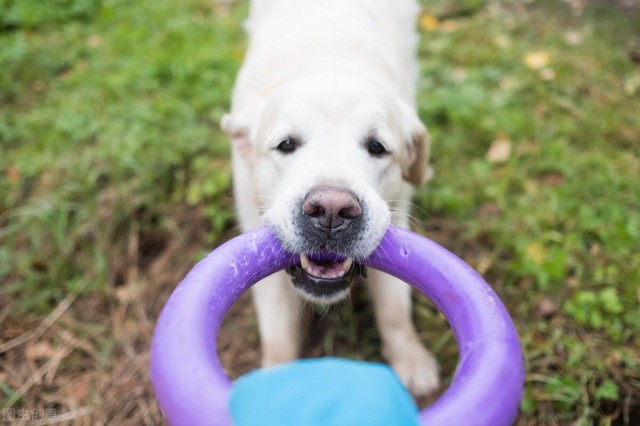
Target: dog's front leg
(278, 308)
(401, 346)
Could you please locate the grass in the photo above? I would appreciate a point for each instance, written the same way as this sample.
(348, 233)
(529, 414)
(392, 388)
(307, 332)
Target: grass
(115, 179)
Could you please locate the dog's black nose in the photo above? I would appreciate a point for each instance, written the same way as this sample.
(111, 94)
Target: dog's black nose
(330, 208)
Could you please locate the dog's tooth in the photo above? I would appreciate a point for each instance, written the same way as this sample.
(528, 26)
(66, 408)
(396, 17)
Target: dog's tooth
(304, 261)
(347, 264)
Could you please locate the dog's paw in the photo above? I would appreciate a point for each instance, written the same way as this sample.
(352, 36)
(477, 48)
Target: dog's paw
(282, 352)
(417, 369)
(274, 358)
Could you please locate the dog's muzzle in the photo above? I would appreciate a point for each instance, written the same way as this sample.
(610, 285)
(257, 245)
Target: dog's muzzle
(330, 219)
(325, 276)
(330, 222)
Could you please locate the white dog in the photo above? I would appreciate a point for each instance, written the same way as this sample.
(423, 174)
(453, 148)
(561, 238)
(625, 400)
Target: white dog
(326, 147)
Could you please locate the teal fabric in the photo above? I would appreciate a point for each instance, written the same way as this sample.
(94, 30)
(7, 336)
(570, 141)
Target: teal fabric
(322, 392)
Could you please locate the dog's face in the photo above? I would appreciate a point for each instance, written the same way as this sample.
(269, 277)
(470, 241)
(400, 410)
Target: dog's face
(330, 158)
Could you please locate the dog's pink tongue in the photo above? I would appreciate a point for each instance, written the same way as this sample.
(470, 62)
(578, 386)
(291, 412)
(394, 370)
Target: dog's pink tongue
(334, 270)
(321, 268)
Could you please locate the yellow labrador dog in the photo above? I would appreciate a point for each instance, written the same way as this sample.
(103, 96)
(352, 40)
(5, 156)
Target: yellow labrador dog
(326, 148)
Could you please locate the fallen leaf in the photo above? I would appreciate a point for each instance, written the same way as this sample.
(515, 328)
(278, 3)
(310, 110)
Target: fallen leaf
(547, 74)
(489, 209)
(502, 41)
(535, 252)
(222, 8)
(499, 151)
(459, 74)
(574, 38)
(94, 41)
(553, 179)
(429, 22)
(531, 186)
(38, 86)
(449, 26)
(128, 293)
(79, 391)
(484, 264)
(576, 5)
(614, 359)
(546, 307)
(126, 385)
(39, 351)
(13, 174)
(573, 282)
(631, 85)
(508, 83)
(537, 60)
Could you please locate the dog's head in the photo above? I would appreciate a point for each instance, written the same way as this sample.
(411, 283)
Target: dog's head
(330, 158)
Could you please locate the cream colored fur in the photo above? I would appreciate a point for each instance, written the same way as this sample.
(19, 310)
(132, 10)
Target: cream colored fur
(330, 72)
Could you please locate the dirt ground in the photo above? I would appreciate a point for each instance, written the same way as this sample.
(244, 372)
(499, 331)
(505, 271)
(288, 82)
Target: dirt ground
(87, 361)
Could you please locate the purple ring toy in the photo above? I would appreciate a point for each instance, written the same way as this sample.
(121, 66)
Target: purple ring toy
(192, 388)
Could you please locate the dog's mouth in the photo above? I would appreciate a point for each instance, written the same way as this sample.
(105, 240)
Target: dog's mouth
(325, 267)
(325, 277)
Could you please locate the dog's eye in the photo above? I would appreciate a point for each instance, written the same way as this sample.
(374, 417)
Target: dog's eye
(288, 145)
(375, 148)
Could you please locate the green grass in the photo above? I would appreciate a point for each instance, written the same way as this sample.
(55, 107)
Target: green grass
(108, 120)
(558, 223)
(109, 116)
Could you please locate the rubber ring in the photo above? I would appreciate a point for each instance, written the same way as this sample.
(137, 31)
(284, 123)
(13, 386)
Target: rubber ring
(192, 388)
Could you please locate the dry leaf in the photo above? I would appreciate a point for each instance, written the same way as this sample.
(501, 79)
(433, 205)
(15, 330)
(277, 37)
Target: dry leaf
(537, 60)
(573, 38)
(129, 293)
(573, 282)
(547, 74)
(222, 7)
(459, 74)
(553, 179)
(428, 22)
(449, 26)
(94, 41)
(499, 151)
(489, 209)
(631, 85)
(546, 307)
(508, 83)
(484, 265)
(39, 351)
(535, 252)
(13, 174)
(502, 41)
(531, 186)
(79, 391)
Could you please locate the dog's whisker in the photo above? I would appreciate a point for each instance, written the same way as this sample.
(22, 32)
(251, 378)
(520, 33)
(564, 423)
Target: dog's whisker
(414, 223)
(411, 206)
(384, 251)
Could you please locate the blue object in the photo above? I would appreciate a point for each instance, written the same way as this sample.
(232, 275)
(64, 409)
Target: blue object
(322, 392)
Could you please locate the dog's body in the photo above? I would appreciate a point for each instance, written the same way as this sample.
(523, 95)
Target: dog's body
(326, 146)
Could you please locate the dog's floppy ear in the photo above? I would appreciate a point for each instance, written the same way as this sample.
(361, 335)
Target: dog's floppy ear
(415, 168)
(239, 134)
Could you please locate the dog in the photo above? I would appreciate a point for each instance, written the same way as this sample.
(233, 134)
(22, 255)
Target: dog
(326, 150)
